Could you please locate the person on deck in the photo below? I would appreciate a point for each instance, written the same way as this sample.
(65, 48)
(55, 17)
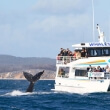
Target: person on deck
(74, 54)
(89, 69)
(61, 51)
(78, 55)
(107, 68)
(61, 72)
(83, 53)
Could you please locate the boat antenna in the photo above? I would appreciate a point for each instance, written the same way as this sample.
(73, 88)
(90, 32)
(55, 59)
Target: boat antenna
(93, 19)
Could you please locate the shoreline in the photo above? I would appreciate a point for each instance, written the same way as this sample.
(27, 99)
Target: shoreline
(22, 79)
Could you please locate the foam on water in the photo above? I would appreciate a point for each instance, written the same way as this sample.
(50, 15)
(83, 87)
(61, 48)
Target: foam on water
(42, 93)
(16, 93)
(20, 93)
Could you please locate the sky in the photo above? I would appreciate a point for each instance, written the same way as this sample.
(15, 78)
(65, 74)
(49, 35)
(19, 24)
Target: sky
(39, 28)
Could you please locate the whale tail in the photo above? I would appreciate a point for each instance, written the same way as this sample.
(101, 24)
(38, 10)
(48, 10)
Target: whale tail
(32, 79)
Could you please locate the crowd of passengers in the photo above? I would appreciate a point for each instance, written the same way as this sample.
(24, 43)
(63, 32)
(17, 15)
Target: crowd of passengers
(98, 69)
(76, 54)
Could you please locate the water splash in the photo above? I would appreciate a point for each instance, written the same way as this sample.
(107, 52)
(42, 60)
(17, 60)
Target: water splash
(20, 93)
(16, 93)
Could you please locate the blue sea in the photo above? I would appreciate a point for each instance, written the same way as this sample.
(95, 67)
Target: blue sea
(14, 97)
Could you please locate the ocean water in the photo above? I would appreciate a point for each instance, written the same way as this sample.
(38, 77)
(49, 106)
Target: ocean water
(14, 97)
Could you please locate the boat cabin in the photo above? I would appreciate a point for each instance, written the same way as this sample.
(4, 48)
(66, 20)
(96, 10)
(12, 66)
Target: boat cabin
(94, 49)
(81, 73)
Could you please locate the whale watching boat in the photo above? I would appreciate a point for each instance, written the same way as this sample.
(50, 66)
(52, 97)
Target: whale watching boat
(87, 73)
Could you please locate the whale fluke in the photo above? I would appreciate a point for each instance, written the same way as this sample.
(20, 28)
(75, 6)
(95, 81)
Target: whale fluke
(32, 79)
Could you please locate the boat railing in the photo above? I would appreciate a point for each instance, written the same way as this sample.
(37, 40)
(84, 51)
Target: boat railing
(64, 59)
(107, 75)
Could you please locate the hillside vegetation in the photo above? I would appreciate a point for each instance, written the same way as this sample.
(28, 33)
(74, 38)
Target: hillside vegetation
(10, 66)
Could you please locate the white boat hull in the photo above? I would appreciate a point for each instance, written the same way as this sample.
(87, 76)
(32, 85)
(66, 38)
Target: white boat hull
(81, 86)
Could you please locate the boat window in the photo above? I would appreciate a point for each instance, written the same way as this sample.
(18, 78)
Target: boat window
(63, 72)
(106, 52)
(80, 72)
(95, 52)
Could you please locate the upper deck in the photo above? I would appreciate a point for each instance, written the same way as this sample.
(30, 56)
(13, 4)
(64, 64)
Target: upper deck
(85, 53)
(86, 50)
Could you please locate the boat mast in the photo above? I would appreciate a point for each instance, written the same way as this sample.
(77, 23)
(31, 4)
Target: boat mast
(101, 35)
(93, 19)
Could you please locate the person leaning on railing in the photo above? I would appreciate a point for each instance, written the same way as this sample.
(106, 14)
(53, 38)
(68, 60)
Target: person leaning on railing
(84, 53)
(59, 57)
(78, 55)
(74, 54)
(61, 51)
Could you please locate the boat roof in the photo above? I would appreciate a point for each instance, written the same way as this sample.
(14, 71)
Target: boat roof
(92, 44)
